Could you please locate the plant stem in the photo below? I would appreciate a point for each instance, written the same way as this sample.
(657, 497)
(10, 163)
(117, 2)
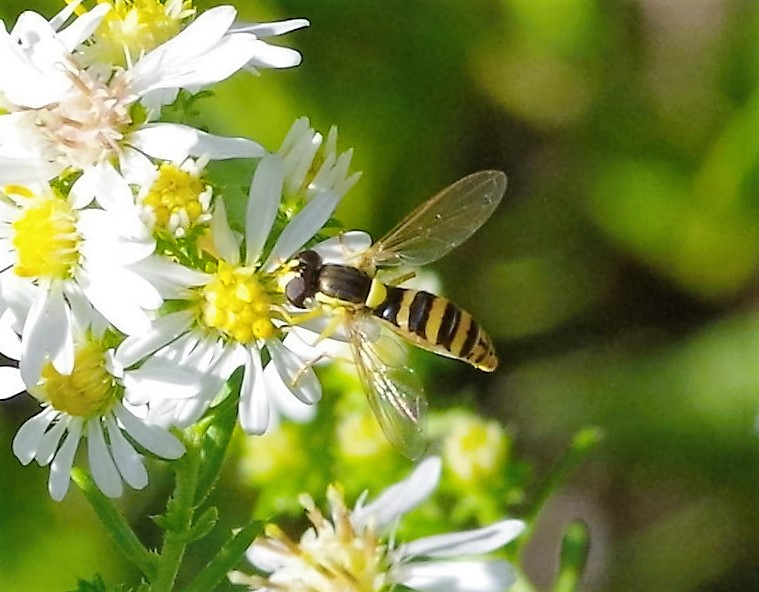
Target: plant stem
(178, 519)
(117, 526)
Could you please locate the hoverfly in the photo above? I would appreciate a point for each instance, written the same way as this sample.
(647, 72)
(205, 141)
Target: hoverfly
(352, 293)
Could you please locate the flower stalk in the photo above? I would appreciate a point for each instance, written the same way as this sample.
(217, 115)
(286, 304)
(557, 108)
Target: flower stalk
(114, 522)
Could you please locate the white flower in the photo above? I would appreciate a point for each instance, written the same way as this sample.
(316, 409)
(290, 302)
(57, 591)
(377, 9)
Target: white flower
(237, 312)
(61, 114)
(173, 198)
(94, 401)
(313, 166)
(346, 552)
(59, 256)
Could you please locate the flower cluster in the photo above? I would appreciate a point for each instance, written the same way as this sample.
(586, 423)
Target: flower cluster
(129, 296)
(125, 295)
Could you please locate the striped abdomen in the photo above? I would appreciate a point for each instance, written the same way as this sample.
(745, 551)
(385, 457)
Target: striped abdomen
(436, 324)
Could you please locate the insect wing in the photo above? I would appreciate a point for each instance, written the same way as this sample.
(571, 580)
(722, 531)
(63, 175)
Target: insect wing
(443, 222)
(394, 392)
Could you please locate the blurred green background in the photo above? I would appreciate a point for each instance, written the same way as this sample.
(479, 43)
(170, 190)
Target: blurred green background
(618, 278)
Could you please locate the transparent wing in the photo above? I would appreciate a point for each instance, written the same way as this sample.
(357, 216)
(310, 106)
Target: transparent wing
(441, 223)
(394, 392)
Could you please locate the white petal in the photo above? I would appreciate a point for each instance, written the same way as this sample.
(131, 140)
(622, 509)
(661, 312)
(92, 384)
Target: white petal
(163, 330)
(175, 57)
(297, 377)
(136, 168)
(102, 467)
(161, 378)
(109, 188)
(27, 439)
(128, 461)
(223, 238)
(11, 383)
(175, 142)
(469, 542)
(84, 25)
(47, 331)
(171, 279)
(306, 344)
(60, 469)
(254, 400)
(282, 399)
(343, 248)
(51, 438)
(262, 30)
(302, 228)
(456, 576)
(263, 557)
(273, 56)
(401, 497)
(121, 296)
(25, 170)
(156, 439)
(263, 202)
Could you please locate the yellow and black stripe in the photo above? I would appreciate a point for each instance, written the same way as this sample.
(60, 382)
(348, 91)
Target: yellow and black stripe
(436, 324)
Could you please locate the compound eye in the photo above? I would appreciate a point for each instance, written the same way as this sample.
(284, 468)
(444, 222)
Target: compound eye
(295, 291)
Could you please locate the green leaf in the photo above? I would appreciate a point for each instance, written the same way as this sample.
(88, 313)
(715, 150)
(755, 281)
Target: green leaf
(228, 556)
(218, 426)
(204, 524)
(97, 585)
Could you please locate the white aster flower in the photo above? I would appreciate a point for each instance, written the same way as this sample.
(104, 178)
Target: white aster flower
(59, 114)
(238, 312)
(349, 552)
(93, 402)
(57, 256)
(174, 198)
(313, 166)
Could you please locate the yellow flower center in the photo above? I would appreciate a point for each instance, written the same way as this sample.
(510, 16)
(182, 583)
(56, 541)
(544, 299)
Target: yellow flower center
(235, 303)
(177, 199)
(46, 238)
(89, 391)
(134, 27)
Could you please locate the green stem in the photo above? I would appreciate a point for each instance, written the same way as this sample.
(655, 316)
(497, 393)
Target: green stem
(178, 519)
(117, 526)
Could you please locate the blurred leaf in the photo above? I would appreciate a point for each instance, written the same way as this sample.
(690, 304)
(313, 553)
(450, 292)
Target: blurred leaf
(651, 211)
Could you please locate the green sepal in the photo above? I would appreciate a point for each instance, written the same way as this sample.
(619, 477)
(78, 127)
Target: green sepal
(226, 559)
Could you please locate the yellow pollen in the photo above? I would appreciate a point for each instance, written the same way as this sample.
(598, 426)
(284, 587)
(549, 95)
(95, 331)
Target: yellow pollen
(134, 27)
(235, 303)
(88, 391)
(175, 191)
(46, 239)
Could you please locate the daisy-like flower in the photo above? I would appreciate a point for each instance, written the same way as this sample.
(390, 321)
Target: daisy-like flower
(350, 551)
(313, 166)
(61, 114)
(238, 312)
(94, 401)
(173, 199)
(58, 256)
